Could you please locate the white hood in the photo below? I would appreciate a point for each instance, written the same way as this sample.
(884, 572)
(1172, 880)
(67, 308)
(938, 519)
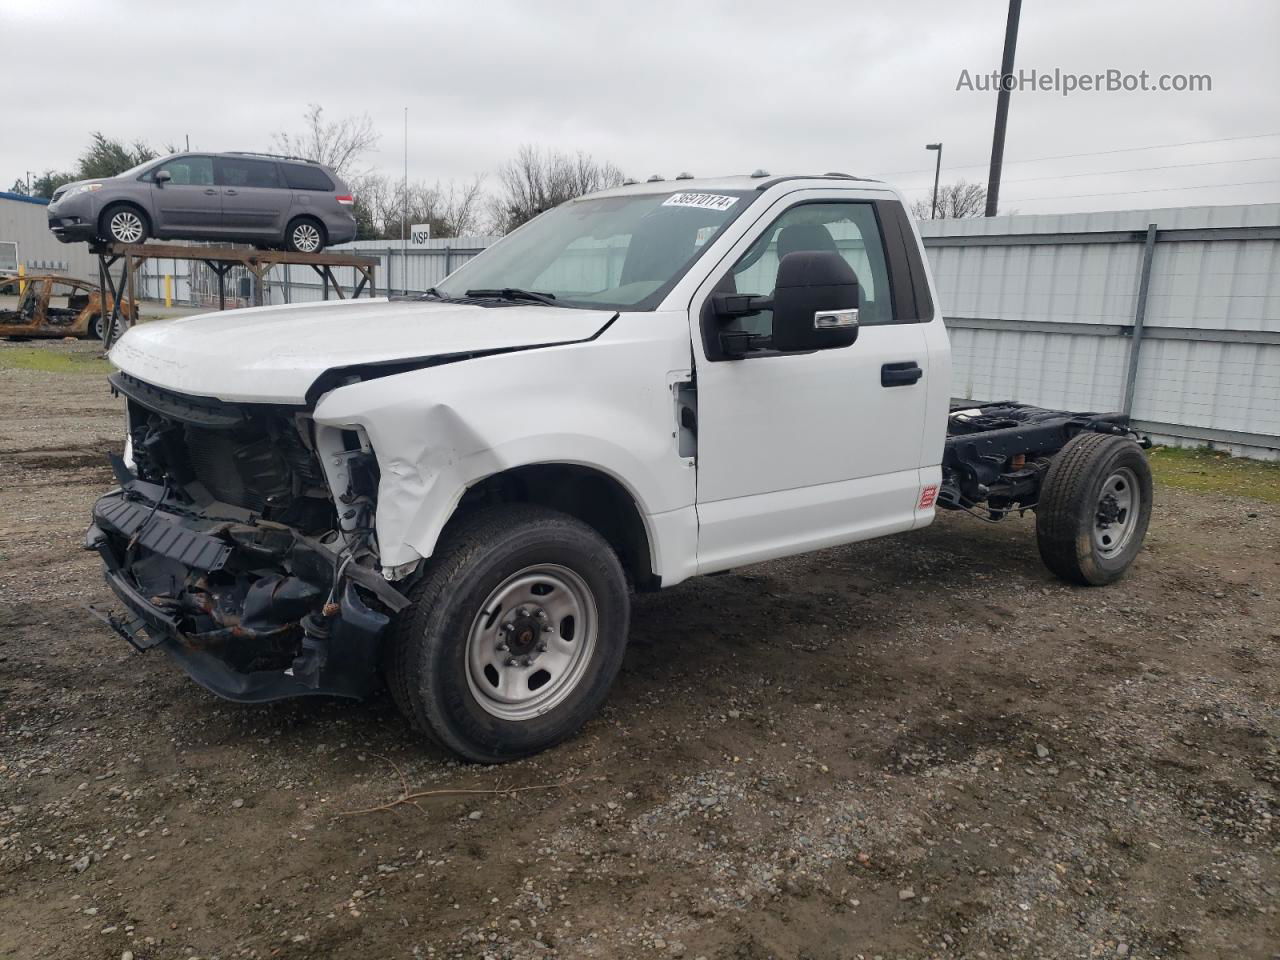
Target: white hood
(274, 354)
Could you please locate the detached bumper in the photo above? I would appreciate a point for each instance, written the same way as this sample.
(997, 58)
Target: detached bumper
(243, 609)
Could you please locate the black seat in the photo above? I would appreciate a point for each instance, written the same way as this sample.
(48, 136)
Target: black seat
(805, 236)
(654, 253)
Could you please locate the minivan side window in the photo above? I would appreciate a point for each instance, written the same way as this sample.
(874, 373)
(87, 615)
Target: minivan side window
(246, 173)
(847, 228)
(299, 177)
(188, 171)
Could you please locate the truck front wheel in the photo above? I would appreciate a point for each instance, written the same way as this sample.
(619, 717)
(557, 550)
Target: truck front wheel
(514, 636)
(1095, 504)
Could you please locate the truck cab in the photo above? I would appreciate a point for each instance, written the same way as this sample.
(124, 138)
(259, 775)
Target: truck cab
(454, 494)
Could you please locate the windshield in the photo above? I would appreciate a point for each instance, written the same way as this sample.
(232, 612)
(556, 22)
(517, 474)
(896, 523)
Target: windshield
(622, 252)
(144, 165)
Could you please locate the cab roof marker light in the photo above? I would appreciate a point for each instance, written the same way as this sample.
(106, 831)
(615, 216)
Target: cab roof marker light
(758, 173)
(655, 179)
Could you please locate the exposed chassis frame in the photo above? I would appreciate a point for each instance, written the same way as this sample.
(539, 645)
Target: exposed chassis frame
(996, 454)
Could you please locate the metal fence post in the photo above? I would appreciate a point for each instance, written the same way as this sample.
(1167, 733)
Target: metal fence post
(1139, 318)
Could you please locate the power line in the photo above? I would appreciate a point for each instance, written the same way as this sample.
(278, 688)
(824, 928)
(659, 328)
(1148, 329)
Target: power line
(1170, 166)
(1107, 173)
(1098, 153)
(1124, 193)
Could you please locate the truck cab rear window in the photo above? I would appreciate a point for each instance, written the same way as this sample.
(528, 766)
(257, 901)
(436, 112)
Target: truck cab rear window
(305, 178)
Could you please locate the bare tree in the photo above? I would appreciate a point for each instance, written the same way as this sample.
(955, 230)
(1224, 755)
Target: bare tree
(335, 143)
(535, 180)
(956, 201)
(452, 209)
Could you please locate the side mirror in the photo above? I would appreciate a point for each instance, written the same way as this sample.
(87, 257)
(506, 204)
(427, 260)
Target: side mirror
(815, 302)
(164, 176)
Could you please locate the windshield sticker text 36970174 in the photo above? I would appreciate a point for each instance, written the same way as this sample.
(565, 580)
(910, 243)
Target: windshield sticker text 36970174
(706, 201)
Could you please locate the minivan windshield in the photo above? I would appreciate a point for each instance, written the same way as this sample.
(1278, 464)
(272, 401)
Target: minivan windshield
(621, 252)
(144, 165)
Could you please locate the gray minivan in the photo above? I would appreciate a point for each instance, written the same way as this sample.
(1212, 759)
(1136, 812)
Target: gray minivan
(258, 198)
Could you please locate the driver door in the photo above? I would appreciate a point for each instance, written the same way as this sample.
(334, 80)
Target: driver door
(798, 451)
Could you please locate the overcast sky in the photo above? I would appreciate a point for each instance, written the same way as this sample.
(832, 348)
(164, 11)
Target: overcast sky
(656, 87)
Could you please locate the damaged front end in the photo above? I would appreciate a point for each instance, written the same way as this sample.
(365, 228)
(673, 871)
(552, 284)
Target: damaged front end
(242, 543)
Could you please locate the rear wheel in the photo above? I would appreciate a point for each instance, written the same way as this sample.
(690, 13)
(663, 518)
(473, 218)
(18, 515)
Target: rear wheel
(1095, 505)
(304, 235)
(515, 634)
(125, 224)
(97, 327)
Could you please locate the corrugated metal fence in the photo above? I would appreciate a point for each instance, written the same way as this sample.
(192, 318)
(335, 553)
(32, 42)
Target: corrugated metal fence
(1054, 310)
(1048, 309)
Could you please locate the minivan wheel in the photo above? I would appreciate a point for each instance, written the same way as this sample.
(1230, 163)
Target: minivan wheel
(305, 236)
(125, 224)
(514, 636)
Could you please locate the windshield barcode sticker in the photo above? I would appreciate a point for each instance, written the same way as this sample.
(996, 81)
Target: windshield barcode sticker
(707, 201)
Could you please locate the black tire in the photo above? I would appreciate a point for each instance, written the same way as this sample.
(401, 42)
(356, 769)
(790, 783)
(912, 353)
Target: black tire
(305, 235)
(124, 223)
(1083, 536)
(429, 651)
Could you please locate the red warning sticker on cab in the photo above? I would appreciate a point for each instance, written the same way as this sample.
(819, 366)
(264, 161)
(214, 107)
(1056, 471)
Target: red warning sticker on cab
(928, 496)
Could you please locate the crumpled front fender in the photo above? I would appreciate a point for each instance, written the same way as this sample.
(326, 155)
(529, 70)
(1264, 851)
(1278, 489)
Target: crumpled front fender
(605, 404)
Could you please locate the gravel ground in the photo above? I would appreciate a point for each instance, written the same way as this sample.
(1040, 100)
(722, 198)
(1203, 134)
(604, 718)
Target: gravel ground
(923, 746)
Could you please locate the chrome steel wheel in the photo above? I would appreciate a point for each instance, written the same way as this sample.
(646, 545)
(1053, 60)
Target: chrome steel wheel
(125, 226)
(1119, 504)
(531, 642)
(305, 238)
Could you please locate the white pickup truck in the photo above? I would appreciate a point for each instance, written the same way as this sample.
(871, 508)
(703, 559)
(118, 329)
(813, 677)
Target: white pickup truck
(454, 494)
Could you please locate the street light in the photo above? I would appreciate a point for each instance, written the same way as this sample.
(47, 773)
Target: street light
(936, 171)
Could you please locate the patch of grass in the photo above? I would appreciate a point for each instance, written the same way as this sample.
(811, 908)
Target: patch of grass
(1209, 471)
(53, 361)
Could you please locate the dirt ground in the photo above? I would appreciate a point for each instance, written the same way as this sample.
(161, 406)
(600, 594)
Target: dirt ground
(918, 747)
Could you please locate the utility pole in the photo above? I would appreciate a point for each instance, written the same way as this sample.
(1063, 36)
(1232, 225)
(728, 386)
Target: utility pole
(29, 172)
(1002, 106)
(937, 171)
(404, 212)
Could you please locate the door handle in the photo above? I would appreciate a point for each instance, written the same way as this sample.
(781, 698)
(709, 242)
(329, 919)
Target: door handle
(900, 374)
(231, 193)
(210, 192)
